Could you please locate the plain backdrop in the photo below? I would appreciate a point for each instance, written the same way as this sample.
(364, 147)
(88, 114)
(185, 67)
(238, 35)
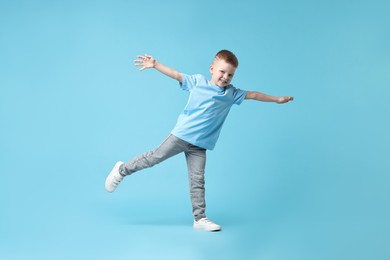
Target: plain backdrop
(304, 180)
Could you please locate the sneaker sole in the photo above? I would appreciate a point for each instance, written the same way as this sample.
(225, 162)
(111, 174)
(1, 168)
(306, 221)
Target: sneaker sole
(205, 229)
(115, 169)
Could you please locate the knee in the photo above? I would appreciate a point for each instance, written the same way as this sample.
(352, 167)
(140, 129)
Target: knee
(197, 176)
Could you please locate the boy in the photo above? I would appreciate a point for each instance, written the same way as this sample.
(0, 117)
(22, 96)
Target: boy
(197, 128)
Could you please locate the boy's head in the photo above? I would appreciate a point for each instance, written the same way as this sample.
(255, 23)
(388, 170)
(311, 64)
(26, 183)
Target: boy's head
(223, 68)
(227, 56)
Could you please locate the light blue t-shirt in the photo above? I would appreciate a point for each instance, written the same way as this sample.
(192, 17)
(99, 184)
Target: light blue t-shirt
(207, 108)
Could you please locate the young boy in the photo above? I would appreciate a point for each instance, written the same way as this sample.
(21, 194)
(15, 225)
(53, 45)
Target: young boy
(197, 128)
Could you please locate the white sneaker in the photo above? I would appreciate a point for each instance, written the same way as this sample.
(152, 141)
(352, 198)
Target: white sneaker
(206, 224)
(114, 178)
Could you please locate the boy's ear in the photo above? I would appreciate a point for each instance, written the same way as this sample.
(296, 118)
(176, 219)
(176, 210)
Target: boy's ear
(211, 68)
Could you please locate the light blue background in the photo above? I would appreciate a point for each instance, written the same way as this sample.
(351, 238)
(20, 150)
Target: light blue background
(304, 180)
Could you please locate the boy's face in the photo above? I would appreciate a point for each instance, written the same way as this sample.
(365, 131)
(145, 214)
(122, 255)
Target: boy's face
(221, 72)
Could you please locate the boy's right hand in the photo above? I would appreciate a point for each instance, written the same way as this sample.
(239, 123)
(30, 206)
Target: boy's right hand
(145, 61)
(148, 62)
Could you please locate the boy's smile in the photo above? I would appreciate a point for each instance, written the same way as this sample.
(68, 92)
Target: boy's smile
(221, 73)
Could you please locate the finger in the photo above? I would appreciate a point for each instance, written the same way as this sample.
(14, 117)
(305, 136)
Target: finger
(138, 61)
(141, 69)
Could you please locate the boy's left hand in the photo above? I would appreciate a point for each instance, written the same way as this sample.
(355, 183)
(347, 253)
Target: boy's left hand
(282, 100)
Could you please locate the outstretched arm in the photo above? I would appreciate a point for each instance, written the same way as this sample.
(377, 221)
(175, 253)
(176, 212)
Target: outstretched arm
(148, 61)
(255, 95)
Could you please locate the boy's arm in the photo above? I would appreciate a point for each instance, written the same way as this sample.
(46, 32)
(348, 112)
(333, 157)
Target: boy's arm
(148, 61)
(255, 95)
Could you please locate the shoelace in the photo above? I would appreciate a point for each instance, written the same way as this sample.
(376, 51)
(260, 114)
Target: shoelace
(206, 221)
(116, 180)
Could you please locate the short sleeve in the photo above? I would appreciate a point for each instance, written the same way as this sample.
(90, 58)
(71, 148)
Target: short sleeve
(239, 95)
(190, 81)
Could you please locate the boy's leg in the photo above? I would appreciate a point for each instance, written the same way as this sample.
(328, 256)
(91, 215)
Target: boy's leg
(170, 147)
(196, 162)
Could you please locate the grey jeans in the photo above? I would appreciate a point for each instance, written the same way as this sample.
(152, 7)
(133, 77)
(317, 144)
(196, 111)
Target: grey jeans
(196, 162)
